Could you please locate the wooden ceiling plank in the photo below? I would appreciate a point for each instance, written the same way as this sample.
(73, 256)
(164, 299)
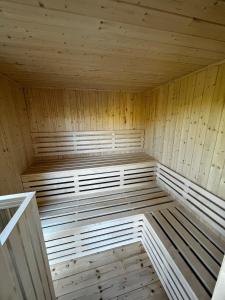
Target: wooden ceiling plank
(208, 10)
(107, 43)
(50, 54)
(110, 32)
(134, 12)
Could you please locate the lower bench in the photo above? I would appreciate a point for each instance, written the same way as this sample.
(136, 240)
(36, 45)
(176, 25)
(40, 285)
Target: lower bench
(84, 224)
(185, 239)
(185, 253)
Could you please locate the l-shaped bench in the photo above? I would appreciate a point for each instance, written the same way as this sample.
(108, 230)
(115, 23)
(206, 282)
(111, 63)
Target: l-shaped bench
(91, 204)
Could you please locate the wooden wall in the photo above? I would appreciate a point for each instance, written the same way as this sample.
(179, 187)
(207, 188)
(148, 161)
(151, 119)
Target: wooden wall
(72, 110)
(15, 143)
(184, 120)
(185, 126)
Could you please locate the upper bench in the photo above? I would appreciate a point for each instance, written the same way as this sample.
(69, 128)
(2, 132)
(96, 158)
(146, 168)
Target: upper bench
(87, 161)
(55, 179)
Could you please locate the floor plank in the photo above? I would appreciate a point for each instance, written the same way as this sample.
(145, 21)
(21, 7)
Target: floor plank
(123, 273)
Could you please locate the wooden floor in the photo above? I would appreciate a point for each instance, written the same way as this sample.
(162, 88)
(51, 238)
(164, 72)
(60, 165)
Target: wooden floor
(122, 273)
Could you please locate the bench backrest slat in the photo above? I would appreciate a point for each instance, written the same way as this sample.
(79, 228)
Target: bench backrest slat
(87, 142)
(208, 207)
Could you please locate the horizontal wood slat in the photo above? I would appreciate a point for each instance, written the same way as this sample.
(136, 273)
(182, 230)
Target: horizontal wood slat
(208, 207)
(72, 226)
(108, 235)
(67, 178)
(84, 142)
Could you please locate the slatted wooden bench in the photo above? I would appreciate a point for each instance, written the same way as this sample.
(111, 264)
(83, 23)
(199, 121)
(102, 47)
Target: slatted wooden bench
(186, 250)
(186, 242)
(84, 190)
(56, 179)
(209, 208)
(91, 204)
(117, 160)
(81, 225)
(53, 179)
(186, 253)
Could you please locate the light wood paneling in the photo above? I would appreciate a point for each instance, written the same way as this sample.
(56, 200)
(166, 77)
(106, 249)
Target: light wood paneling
(108, 44)
(24, 267)
(72, 110)
(15, 141)
(187, 126)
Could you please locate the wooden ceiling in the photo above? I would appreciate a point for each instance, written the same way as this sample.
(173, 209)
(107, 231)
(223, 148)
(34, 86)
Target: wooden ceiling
(108, 44)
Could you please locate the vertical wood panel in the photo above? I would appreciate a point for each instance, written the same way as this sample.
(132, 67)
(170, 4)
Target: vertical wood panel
(22, 251)
(15, 141)
(70, 110)
(189, 127)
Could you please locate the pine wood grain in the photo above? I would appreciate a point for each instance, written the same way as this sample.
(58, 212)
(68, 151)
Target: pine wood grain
(187, 127)
(15, 140)
(122, 273)
(54, 110)
(118, 44)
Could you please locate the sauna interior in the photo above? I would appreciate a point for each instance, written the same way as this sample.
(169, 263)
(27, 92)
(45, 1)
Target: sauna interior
(112, 149)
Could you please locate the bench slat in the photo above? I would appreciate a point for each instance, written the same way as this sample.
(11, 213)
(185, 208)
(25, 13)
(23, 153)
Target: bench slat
(183, 273)
(207, 206)
(199, 236)
(64, 143)
(201, 253)
(194, 263)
